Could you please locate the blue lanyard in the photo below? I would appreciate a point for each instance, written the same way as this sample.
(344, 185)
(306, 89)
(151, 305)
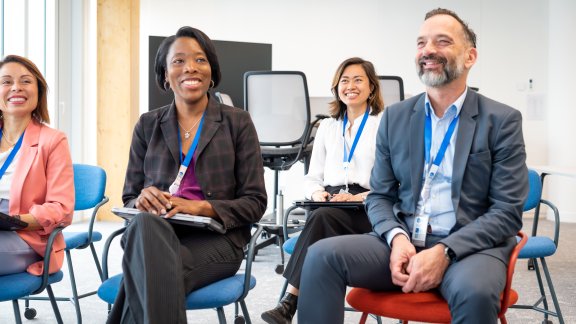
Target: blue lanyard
(11, 155)
(445, 141)
(346, 159)
(193, 145)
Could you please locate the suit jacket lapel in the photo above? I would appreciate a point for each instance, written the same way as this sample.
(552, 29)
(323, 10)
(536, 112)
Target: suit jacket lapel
(28, 152)
(212, 121)
(466, 127)
(169, 126)
(417, 147)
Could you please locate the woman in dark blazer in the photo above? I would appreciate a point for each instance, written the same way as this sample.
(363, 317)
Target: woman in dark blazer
(224, 180)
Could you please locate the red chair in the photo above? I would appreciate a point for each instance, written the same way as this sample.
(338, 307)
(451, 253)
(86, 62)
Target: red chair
(427, 306)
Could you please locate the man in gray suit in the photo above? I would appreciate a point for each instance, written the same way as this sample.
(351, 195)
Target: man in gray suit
(448, 186)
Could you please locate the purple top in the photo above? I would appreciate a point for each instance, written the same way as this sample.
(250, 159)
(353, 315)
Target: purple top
(189, 186)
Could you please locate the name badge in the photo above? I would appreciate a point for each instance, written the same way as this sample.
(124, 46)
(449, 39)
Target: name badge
(420, 230)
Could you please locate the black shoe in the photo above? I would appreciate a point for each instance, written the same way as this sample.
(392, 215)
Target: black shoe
(283, 312)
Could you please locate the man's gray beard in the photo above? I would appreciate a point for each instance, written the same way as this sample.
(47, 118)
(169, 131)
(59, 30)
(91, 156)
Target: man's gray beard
(436, 80)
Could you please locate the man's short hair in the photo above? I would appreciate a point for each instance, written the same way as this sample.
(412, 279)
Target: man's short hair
(468, 33)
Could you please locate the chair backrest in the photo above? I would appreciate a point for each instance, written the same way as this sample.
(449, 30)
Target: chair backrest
(224, 98)
(89, 184)
(392, 89)
(535, 192)
(279, 106)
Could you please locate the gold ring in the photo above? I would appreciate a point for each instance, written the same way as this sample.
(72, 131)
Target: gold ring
(171, 203)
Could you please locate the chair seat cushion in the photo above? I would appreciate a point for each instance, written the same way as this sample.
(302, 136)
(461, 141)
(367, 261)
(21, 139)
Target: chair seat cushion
(76, 239)
(22, 284)
(289, 245)
(537, 247)
(109, 289)
(429, 306)
(217, 294)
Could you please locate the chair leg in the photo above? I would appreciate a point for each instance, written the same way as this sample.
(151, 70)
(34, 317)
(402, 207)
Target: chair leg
(552, 291)
(54, 304)
(363, 318)
(97, 262)
(75, 298)
(245, 312)
(543, 298)
(284, 288)
(221, 316)
(16, 311)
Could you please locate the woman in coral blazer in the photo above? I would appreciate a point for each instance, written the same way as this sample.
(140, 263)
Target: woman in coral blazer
(36, 175)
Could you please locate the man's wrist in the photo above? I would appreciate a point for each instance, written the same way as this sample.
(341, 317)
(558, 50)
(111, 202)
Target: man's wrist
(449, 253)
(398, 236)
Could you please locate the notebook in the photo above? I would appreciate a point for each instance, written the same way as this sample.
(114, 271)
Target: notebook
(335, 204)
(9, 223)
(184, 219)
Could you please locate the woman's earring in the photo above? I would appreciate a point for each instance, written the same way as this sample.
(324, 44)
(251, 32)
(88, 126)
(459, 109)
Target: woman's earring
(212, 83)
(166, 85)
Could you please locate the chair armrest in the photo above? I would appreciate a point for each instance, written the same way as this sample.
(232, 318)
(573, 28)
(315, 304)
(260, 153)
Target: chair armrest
(510, 271)
(249, 259)
(107, 250)
(556, 219)
(92, 219)
(46, 272)
(285, 221)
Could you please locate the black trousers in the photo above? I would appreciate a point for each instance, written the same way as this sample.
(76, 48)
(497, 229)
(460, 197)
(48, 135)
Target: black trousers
(323, 223)
(164, 262)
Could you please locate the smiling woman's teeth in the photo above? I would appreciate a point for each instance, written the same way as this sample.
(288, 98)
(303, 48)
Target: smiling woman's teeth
(191, 82)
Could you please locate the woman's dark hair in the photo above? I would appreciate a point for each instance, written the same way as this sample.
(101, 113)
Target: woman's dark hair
(41, 111)
(337, 107)
(160, 64)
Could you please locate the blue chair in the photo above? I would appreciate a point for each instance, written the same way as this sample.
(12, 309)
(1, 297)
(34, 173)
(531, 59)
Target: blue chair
(23, 284)
(216, 295)
(89, 184)
(539, 247)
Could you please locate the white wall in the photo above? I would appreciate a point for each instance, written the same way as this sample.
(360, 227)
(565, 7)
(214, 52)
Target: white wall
(562, 112)
(315, 36)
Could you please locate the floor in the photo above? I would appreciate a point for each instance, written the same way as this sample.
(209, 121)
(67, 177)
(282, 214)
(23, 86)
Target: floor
(265, 295)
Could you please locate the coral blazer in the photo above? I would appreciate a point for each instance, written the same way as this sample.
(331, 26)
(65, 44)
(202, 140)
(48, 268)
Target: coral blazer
(43, 185)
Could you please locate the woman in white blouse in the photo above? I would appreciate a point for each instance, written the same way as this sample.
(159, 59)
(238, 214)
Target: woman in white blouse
(340, 168)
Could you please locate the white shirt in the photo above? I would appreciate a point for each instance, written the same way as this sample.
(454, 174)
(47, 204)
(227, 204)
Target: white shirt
(6, 180)
(326, 164)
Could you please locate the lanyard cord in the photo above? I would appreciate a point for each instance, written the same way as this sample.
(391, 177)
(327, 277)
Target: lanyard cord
(11, 155)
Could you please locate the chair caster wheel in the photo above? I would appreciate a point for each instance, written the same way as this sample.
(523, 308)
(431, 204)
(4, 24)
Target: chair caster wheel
(239, 320)
(547, 322)
(279, 268)
(30, 313)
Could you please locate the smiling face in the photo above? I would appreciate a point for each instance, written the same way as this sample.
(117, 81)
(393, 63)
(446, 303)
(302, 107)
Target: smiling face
(18, 90)
(188, 72)
(443, 52)
(354, 86)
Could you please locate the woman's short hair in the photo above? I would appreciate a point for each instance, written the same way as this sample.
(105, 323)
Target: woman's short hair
(160, 64)
(337, 107)
(41, 111)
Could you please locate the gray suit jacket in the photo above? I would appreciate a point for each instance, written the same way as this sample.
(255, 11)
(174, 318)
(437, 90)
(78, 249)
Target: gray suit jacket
(489, 179)
(228, 165)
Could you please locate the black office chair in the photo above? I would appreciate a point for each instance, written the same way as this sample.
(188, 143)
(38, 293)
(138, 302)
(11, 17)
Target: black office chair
(279, 106)
(392, 89)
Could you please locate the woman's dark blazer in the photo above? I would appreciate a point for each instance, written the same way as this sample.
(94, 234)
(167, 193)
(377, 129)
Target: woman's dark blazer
(228, 165)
